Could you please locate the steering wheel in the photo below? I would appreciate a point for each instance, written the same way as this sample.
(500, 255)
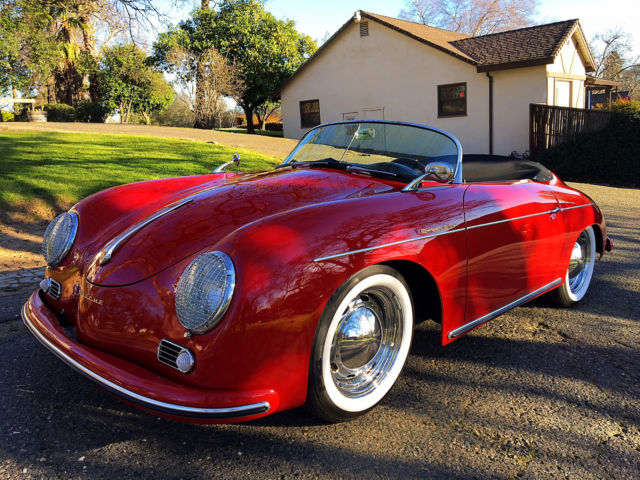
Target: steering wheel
(411, 163)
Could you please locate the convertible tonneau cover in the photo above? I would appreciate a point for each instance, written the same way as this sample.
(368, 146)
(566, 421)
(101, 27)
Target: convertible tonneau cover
(487, 168)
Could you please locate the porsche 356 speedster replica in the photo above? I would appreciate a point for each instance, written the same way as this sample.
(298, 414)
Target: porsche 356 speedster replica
(228, 296)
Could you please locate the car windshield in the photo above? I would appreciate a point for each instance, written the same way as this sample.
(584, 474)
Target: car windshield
(386, 149)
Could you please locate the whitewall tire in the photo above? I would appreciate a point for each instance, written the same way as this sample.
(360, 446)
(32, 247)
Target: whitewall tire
(580, 270)
(362, 342)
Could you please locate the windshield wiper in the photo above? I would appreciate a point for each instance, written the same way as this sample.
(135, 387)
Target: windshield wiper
(372, 172)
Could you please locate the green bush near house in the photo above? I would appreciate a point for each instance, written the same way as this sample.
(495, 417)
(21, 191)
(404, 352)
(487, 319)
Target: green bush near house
(274, 126)
(6, 116)
(611, 156)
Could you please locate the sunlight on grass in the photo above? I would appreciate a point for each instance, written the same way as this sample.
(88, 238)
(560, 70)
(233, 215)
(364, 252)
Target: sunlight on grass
(45, 172)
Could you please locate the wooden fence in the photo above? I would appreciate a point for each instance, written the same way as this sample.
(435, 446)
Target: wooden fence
(551, 126)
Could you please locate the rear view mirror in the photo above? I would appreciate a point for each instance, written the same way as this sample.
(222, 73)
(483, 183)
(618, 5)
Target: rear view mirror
(440, 172)
(366, 134)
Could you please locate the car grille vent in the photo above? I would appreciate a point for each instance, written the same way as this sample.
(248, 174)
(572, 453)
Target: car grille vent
(364, 29)
(176, 356)
(55, 289)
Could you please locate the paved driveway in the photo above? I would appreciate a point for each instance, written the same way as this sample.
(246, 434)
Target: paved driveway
(537, 393)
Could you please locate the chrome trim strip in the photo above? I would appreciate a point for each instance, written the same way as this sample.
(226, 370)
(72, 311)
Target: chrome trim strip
(497, 222)
(368, 249)
(111, 247)
(485, 318)
(414, 239)
(577, 206)
(150, 403)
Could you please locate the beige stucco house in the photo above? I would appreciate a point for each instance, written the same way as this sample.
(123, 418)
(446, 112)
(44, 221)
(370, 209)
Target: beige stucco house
(478, 88)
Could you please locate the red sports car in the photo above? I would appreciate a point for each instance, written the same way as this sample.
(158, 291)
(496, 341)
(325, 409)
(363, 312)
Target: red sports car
(228, 296)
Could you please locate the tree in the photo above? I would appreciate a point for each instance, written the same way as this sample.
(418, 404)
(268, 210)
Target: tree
(264, 111)
(128, 84)
(473, 17)
(28, 53)
(156, 95)
(265, 50)
(614, 59)
(211, 75)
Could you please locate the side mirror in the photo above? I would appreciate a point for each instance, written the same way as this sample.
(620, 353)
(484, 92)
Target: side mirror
(235, 160)
(440, 172)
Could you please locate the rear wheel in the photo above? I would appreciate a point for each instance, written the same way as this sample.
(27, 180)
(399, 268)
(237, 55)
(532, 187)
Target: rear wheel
(580, 271)
(361, 344)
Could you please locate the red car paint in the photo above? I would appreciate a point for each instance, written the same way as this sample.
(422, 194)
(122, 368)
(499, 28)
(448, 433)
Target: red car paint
(275, 226)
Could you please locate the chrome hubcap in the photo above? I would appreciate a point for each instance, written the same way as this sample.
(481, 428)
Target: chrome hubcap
(366, 342)
(579, 262)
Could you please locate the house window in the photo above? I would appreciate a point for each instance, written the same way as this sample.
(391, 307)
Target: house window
(364, 29)
(350, 116)
(309, 113)
(452, 100)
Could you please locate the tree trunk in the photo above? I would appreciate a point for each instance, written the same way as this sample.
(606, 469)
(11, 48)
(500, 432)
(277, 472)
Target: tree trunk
(89, 46)
(146, 116)
(248, 112)
(200, 117)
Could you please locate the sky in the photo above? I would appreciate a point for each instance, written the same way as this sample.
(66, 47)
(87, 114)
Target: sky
(317, 18)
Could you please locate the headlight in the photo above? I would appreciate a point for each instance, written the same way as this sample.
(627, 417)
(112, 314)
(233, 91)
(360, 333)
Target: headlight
(59, 237)
(204, 291)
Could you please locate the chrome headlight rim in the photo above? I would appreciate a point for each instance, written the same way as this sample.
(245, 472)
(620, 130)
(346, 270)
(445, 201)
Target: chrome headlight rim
(215, 316)
(57, 260)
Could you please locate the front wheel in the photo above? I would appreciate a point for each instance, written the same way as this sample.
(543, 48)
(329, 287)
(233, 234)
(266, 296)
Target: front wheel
(361, 344)
(580, 271)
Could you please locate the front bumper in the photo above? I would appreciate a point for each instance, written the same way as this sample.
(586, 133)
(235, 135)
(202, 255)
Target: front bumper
(139, 386)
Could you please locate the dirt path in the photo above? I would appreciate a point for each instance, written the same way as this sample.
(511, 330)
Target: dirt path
(277, 147)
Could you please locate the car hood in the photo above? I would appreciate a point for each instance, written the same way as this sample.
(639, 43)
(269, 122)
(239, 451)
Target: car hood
(215, 212)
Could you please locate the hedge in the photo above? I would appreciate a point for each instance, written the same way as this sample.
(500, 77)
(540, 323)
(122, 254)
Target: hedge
(611, 156)
(59, 112)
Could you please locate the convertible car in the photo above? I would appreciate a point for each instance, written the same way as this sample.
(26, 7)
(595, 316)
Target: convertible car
(227, 296)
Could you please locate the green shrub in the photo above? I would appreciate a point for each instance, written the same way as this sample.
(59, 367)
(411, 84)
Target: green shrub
(59, 112)
(6, 116)
(91, 112)
(274, 126)
(627, 108)
(610, 156)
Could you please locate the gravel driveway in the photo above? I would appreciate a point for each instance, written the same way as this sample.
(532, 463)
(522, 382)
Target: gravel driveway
(537, 393)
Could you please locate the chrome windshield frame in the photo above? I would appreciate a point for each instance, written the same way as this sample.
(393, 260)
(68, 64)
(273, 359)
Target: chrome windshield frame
(457, 176)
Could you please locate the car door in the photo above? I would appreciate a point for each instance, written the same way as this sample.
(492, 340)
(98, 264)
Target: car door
(513, 244)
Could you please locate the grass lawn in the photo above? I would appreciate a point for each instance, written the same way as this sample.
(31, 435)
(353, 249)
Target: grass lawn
(44, 173)
(267, 133)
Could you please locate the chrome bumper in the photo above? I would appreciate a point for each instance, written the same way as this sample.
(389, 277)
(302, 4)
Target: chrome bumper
(184, 411)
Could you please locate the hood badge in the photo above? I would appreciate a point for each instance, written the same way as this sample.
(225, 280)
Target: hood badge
(91, 299)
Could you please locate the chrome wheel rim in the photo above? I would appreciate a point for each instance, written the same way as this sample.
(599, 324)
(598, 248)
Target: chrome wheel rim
(580, 264)
(366, 342)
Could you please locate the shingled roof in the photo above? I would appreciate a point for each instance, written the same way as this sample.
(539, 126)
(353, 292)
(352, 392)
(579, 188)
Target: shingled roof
(527, 46)
(523, 47)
